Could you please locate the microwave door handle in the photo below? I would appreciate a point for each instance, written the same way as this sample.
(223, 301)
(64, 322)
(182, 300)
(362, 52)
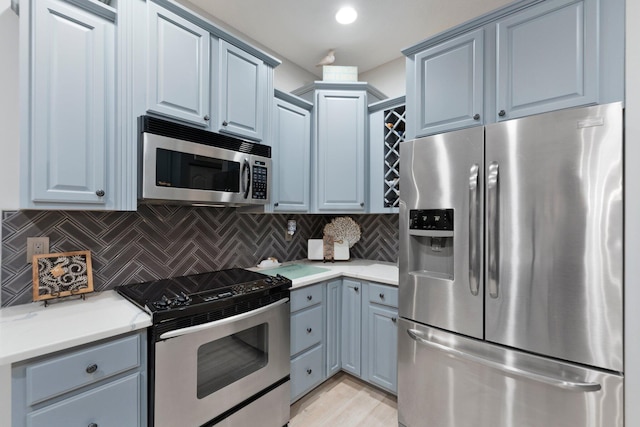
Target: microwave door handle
(246, 183)
(225, 321)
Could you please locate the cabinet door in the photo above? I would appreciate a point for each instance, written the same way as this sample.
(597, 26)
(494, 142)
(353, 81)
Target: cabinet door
(72, 107)
(382, 346)
(113, 404)
(351, 324)
(341, 150)
(449, 85)
(242, 85)
(292, 142)
(334, 329)
(178, 80)
(547, 58)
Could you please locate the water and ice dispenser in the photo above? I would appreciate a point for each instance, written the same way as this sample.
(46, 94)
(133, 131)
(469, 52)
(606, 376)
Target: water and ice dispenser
(431, 243)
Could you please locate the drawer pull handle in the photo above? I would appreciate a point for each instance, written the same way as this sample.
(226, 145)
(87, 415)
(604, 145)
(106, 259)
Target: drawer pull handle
(309, 371)
(381, 295)
(309, 297)
(91, 368)
(93, 425)
(308, 330)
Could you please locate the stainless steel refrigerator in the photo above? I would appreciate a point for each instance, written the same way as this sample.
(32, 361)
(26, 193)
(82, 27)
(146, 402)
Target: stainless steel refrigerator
(511, 279)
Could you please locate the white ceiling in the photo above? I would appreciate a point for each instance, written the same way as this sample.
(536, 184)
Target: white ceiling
(303, 31)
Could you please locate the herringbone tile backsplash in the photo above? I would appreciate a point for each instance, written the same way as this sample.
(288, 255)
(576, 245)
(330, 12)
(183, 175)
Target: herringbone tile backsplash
(161, 241)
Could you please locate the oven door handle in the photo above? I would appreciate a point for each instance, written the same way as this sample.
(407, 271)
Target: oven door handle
(225, 321)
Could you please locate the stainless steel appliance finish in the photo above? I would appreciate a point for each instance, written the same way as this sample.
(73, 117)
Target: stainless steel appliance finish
(181, 368)
(533, 263)
(446, 172)
(453, 381)
(180, 164)
(218, 348)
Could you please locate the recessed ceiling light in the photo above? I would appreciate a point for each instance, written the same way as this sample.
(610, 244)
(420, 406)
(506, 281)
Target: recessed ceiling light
(346, 15)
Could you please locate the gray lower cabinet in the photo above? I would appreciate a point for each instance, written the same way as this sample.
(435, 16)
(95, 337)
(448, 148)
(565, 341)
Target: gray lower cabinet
(68, 155)
(343, 325)
(380, 344)
(334, 327)
(290, 151)
(101, 384)
(351, 326)
(307, 339)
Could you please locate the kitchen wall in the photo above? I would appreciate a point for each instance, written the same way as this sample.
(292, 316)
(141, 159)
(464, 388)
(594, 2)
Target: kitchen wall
(161, 241)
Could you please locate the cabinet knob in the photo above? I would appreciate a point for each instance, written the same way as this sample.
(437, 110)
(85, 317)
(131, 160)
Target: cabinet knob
(362, 204)
(225, 123)
(309, 297)
(276, 204)
(381, 295)
(476, 116)
(93, 425)
(100, 193)
(309, 371)
(502, 113)
(308, 330)
(356, 289)
(91, 368)
(207, 118)
(393, 319)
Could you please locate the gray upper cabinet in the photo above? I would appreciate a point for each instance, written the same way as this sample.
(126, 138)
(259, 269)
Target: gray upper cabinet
(68, 130)
(242, 86)
(340, 133)
(179, 67)
(527, 58)
(449, 85)
(547, 58)
(387, 123)
(291, 151)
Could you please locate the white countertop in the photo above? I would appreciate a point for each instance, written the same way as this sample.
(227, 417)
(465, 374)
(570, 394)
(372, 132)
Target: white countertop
(31, 330)
(375, 271)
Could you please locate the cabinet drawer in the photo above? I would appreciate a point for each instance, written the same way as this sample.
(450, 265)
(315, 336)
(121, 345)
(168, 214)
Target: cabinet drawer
(306, 372)
(306, 329)
(67, 372)
(306, 297)
(385, 295)
(114, 404)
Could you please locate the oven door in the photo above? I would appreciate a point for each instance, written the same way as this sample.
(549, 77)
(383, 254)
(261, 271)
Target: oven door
(204, 370)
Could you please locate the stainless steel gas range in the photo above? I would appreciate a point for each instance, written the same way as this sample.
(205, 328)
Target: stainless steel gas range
(218, 348)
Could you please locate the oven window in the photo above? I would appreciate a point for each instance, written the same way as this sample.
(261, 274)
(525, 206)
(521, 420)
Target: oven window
(225, 361)
(183, 170)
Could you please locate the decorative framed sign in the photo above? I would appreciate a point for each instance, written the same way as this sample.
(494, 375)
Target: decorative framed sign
(62, 274)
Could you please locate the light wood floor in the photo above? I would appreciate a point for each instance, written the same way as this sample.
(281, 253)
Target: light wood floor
(345, 401)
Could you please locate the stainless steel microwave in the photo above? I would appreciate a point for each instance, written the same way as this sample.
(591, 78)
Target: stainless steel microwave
(186, 165)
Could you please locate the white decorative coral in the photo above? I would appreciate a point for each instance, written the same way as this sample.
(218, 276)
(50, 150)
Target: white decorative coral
(343, 229)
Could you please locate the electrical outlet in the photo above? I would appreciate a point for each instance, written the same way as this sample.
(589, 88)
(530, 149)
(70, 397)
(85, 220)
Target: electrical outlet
(36, 246)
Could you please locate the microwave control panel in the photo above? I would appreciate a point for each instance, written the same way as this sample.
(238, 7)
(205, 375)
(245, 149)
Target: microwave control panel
(259, 181)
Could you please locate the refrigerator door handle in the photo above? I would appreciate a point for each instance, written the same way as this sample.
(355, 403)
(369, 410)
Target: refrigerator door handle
(474, 268)
(556, 382)
(493, 192)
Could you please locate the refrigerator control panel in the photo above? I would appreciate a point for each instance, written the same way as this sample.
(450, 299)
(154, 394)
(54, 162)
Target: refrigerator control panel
(431, 219)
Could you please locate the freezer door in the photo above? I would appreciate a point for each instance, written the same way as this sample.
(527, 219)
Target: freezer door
(554, 235)
(445, 380)
(441, 270)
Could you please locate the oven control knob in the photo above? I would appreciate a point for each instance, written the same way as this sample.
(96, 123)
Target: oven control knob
(268, 280)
